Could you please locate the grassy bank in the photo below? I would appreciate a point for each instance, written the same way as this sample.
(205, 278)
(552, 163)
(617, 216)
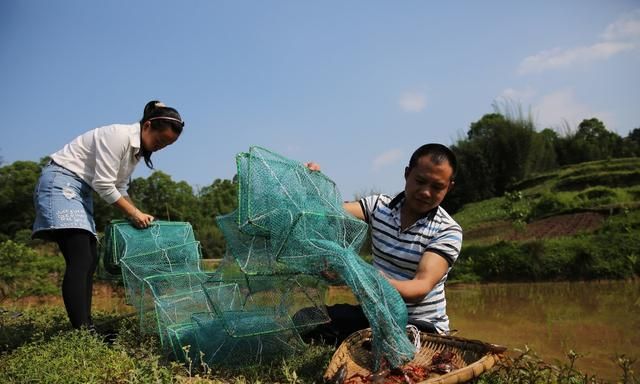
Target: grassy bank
(580, 222)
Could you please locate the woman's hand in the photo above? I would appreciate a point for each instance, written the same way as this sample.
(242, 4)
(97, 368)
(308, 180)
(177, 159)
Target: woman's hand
(137, 218)
(140, 219)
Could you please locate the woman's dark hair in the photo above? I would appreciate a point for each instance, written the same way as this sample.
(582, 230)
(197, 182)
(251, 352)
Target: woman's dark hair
(438, 154)
(161, 117)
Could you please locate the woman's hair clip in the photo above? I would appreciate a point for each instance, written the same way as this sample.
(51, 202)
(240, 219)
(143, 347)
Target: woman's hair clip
(166, 118)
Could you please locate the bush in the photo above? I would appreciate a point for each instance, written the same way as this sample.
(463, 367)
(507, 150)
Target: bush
(527, 367)
(611, 253)
(597, 196)
(549, 203)
(75, 357)
(25, 272)
(610, 179)
(532, 182)
(503, 261)
(634, 193)
(516, 206)
(610, 165)
(23, 236)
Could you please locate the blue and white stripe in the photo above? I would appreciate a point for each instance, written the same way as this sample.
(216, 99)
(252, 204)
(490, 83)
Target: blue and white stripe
(398, 252)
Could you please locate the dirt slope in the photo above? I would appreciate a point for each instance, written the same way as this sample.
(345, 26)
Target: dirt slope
(555, 226)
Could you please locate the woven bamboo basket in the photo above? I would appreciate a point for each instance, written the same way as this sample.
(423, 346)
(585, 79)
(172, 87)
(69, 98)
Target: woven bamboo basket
(352, 362)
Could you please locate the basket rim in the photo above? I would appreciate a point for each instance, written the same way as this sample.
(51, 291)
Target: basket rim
(489, 355)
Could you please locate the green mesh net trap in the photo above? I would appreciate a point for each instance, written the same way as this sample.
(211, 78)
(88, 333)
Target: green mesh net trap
(289, 228)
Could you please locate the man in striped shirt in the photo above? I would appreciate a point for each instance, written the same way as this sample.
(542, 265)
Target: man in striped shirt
(414, 242)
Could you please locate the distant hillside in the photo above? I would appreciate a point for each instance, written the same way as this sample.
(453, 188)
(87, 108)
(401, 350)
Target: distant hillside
(568, 220)
(566, 201)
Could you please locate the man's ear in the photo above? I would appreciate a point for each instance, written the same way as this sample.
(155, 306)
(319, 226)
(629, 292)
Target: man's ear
(407, 170)
(451, 184)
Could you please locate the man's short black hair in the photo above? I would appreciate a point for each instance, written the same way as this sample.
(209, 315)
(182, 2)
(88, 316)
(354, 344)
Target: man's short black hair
(438, 154)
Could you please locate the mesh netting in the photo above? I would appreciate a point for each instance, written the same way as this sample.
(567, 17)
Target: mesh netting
(289, 228)
(122, 240)
(291, 220)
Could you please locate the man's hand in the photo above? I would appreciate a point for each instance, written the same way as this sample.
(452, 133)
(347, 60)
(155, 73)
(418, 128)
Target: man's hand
(312, 166)
(383, 274)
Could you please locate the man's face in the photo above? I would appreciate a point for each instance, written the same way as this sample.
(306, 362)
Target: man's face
(426, 184)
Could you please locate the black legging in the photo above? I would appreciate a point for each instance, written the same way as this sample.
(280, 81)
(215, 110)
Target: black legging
(80, 252)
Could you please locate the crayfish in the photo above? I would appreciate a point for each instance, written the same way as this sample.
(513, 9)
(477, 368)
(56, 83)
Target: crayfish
(408, 374)
(442, 362)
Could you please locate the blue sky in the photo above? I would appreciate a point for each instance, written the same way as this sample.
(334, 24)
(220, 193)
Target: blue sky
(353, 85)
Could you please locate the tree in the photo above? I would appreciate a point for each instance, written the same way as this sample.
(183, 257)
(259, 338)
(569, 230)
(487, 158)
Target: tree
(498, 151)
(17, 183)
(591, 141)
(598, 142)
(157, 195)
(163, 198)
(169, 200)
(635, 136)
(219, 198)
(631, 144)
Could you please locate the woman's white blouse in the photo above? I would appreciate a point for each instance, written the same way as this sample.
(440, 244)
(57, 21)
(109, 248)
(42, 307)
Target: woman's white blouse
(104, 158)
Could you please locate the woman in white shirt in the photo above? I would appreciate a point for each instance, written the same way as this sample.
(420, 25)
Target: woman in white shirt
(101, 160)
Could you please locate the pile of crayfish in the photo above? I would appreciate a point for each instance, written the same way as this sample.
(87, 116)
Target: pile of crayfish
(441, 363)
(408, 374)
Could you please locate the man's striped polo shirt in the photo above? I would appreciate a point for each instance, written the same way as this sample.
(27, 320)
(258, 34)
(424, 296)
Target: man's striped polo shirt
(398, 252)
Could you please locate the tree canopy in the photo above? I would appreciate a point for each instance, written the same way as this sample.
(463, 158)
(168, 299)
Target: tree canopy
(157, 195)
(501, 149)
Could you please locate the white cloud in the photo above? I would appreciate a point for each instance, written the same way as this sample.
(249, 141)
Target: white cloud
(386, 158)
(412, 102)
(625, 28)
(620, 36)
(559, 58)
(561, 107)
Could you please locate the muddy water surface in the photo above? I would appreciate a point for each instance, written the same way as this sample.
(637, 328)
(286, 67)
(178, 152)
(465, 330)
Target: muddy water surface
(599, 320)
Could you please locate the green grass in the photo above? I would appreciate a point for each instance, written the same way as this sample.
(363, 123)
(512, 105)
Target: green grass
(38, 346)
(476, 214)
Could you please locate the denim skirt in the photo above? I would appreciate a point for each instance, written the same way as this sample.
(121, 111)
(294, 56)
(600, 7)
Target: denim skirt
(62, 200)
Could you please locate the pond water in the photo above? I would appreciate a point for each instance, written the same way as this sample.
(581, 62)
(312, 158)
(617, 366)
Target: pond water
(598, 320)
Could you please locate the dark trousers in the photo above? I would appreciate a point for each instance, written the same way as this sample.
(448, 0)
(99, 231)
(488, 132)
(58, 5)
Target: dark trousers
(80, 252)
(346, 319)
